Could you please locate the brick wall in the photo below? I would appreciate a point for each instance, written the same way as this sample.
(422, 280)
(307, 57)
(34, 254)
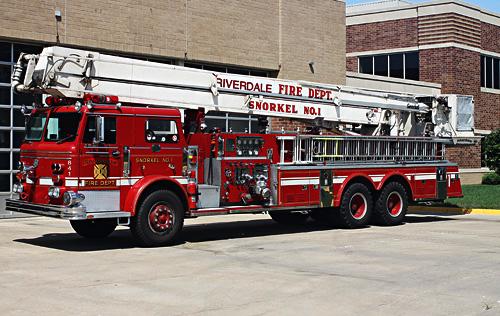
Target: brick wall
(352, 64)
(313, 31)
(243, 33)
(466, 156)
(490, 37)
(382, 35)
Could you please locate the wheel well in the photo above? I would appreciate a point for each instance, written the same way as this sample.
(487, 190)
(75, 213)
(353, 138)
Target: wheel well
(403, 182)
(163, 185)
(363, 180)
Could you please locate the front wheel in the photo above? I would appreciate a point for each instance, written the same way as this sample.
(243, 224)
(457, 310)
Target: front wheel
(94, 228)
(159, 219)
(391, 205)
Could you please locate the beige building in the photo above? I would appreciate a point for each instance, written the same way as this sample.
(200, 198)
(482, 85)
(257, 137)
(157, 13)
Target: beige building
(292, 39)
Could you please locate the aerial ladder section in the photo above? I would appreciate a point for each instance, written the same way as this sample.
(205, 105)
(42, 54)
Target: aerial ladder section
(71, 73)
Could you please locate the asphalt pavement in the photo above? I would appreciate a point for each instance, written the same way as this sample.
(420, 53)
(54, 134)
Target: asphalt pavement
(249, 265)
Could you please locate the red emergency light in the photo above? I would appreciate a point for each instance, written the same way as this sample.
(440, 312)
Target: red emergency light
(54, 101)
(100, 99)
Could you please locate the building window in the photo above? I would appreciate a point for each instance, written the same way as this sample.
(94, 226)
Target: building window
(231, 122)
(490, 72)
(231, 70)
(398, 65)
(11, 118)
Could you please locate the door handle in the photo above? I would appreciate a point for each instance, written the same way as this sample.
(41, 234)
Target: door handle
(115, 153)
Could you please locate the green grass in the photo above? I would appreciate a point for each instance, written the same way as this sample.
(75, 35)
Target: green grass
(478, 196)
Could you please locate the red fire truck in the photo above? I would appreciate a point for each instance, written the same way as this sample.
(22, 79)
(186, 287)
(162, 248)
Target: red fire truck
(124, 142)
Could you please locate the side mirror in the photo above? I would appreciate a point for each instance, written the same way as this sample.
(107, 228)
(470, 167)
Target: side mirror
(99, 129)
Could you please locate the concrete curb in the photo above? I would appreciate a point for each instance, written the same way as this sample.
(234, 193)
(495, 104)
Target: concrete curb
(446, 210)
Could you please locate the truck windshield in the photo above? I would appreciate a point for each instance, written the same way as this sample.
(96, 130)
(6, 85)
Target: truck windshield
(34, 126)
(62, 127)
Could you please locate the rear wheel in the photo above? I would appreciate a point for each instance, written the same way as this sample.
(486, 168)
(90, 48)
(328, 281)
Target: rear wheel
(289, 218)
(94, 228)
(391, 205)
(355, 207)
(158, 220)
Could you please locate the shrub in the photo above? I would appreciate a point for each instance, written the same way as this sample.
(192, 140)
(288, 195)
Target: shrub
(491, 178)
(492, 151)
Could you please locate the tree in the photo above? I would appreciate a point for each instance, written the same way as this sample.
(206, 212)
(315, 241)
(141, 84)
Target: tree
(492, 151)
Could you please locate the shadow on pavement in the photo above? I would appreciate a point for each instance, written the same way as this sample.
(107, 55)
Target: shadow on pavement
(426, 219)
(194, 233)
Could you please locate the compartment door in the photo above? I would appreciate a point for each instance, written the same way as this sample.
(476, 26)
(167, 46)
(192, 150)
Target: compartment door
(441, 183)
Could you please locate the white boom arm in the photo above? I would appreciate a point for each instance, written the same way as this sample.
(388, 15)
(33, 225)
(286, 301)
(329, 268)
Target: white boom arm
(71, 73)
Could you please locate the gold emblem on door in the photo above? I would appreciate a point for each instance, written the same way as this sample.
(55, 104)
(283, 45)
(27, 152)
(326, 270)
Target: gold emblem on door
(100, 171)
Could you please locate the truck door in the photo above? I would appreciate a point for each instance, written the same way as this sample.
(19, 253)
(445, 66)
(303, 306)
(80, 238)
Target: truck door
(101, 153)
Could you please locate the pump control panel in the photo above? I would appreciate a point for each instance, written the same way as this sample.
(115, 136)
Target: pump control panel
(249, 146)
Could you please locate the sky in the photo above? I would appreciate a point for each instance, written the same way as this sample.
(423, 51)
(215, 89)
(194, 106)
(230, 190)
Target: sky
(491, 5)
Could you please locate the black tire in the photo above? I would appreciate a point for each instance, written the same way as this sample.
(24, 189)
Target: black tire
(289, 218)
(355, 207)
(94, 228)
(164, 207)
(387, 210)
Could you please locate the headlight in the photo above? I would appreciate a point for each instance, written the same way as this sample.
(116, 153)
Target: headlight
(17, 188)
(71, 198)
(54, 192)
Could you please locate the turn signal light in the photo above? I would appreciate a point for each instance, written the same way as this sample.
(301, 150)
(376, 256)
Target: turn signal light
(191, 188)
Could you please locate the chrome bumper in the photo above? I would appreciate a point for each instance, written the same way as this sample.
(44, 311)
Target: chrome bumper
(59, 211)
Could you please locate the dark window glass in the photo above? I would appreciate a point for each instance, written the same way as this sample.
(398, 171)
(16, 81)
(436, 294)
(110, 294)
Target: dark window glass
(238, 71)
(259, 73)
(238, 126)
(254, 127)
(214, 68)
(5, 182)
(4, 139)
(62, 126)
(4, 117)
(35, 125)
(28, 49)
(5, 95)
(366, 65)
(381, 65)
(15, 159)
(496, 73)
(5, 161)
(219, 123)
(5, 72)
(192, 65)
(19, 118)
(161, 131)
(109, 130)
(396, 66)
(216, 113)
(5, 52)
(27, 99)
(412, 64)
(482, 71)
(489, 72)
(17, 138)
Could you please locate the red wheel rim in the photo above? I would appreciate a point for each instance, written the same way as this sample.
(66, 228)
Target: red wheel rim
(357, 206)
(161, 218)
(394, 204)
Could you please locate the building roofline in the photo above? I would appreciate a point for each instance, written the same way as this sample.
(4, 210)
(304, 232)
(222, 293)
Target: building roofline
(417, 6)
(421, 9)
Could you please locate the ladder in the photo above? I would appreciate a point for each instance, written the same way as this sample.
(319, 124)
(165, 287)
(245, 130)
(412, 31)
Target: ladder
(303, 149)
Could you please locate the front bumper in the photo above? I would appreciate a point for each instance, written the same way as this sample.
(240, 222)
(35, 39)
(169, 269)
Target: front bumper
(60, 211)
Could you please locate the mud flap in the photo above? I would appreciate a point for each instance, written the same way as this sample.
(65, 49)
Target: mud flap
(326, 184)
(441, 183)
